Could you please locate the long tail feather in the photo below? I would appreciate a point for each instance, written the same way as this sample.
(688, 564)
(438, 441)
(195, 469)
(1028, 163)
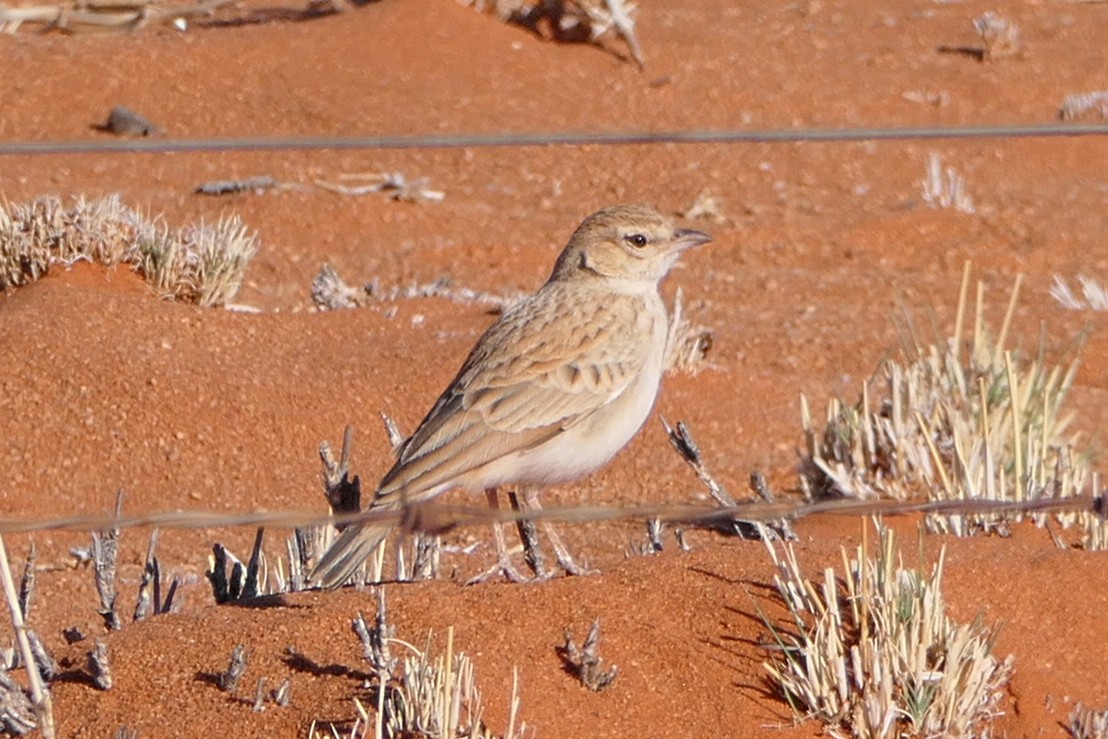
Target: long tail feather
(353, 547)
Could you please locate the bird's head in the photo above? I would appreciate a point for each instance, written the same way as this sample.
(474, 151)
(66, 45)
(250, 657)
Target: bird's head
(629, 242)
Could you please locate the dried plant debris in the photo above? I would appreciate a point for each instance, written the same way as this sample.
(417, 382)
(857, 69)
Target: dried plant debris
(122, 121)
(105, 553)
(954, 422)
(1094, 295)
(255, 185)
(99, 666)
(1000, 36)
(419, 695)
(27, 582)
(1089, 105)
(394, 184)
(241, 582)
(705, 207)
(687, 345)
(17, 713)
(121, 16)
(47, 665)
(229, 679)
(203, 264)
(150, 588)
(945, 188)
(331, 292)
(872, 653)
(680, 438)
(572, 20)
(1087, 723)
(585, 662)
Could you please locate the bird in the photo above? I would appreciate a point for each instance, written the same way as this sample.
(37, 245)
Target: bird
(552, 391)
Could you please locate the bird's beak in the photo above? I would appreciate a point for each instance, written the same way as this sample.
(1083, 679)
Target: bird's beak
(687, 238)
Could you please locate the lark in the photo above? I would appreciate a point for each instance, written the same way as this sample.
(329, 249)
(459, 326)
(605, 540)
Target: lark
(551, 391)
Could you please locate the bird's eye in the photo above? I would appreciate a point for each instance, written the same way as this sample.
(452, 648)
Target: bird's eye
(636, 240)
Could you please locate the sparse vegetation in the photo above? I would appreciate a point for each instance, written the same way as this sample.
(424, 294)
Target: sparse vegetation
(1094, 295)
(202, 264)
(954, 424)
(1085, 105)
(945, 188)
(1088, 723)
(1000, 36)
(419, 696)
(872, 653)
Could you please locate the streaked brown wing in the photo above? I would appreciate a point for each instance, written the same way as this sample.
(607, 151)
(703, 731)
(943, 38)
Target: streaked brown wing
(525, 381)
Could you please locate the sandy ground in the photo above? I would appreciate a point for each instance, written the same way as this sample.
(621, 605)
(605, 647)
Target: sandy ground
(105, 387)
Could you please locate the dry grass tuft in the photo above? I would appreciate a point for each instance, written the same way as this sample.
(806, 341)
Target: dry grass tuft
(1091, 105)
(572, 20)
(419, 696)
(1086, 723)
(687, 344)
(945, 188)
(952, 424)
(875, 655)
(1000, 36)
(1094, 296)
(200, 264)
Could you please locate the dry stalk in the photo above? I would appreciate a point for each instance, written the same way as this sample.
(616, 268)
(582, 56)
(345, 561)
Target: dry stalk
(945, 188)
(229, 679)
(41, 702)
(1094, 294)
(99, 666)
(586, 662)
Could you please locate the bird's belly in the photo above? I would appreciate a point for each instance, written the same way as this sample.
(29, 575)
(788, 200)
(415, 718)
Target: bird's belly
(584, 447)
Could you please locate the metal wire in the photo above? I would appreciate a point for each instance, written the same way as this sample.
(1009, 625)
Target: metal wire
(550, 138)
(437, 517)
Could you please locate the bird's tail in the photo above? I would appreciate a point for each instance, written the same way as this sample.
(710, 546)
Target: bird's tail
(353, 547)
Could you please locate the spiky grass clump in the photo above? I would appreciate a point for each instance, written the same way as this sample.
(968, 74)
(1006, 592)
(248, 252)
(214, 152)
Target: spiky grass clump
(948, 424)
(202, 264)
(874, 654)
(420, 696)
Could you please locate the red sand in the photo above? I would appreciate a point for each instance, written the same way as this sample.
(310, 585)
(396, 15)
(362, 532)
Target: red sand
(106, 387)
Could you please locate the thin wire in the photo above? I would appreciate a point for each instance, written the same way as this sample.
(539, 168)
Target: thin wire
(554, 138)
(436, 517)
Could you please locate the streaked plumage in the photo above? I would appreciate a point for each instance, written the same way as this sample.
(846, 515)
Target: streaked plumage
(552, 390)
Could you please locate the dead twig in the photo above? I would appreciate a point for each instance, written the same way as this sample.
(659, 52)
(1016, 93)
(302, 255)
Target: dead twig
(40, 696)
(585, 662)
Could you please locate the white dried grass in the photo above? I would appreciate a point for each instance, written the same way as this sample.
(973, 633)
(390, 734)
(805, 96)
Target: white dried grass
(201, 264)
(1085, 105)
(1094, 296)
(874, 654)
(1000, 36)
(947, 424)
(945, 188)
(1087, 723)
(432, 697)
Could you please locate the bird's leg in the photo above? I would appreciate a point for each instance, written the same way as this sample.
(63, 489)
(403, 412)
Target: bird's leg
(561, 552)
(504, 565)
(532, 550)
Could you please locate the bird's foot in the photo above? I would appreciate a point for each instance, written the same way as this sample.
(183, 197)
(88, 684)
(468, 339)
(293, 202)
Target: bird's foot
(504, 567)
